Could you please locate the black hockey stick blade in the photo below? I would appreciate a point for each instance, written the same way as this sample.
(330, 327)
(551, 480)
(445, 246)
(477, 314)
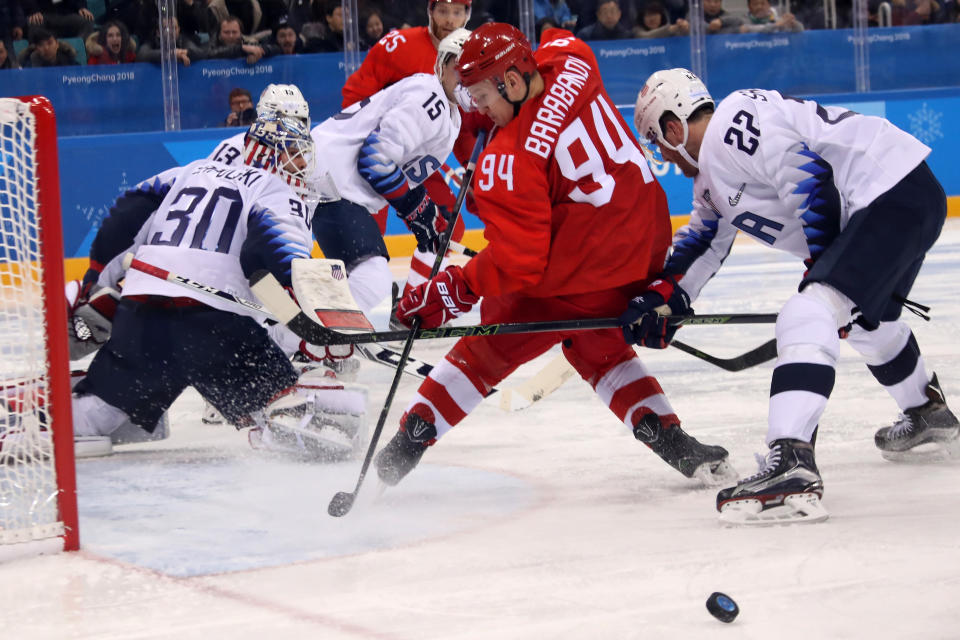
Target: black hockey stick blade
(764, 353)
(341, 503)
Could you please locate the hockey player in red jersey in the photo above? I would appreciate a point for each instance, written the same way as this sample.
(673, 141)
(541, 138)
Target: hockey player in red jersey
(565, 194)
(404, 52)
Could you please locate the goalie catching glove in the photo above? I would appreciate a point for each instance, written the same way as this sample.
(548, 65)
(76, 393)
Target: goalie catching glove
(424, 218)
(437, 301)
(644, 322)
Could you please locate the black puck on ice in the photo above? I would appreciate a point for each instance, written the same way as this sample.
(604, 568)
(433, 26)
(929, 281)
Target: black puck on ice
(722, 607)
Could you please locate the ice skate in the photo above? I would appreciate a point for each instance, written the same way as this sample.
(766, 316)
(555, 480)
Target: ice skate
(707, 463)
(927, 432)
(404, 451)
(786, 490)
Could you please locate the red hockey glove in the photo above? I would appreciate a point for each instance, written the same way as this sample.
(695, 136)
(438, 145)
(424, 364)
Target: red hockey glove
(437, 301)
(644, 324)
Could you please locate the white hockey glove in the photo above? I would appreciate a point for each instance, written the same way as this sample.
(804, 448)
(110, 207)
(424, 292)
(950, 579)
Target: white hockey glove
(89, 321)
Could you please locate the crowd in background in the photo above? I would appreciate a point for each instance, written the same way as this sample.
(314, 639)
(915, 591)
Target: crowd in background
(128, 30)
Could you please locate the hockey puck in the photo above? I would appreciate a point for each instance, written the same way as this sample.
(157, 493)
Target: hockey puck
(722, 607)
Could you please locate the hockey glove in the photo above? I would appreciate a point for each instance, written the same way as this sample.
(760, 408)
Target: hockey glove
(90, 322)
(426, 220)
(644, 324)
(437, 301)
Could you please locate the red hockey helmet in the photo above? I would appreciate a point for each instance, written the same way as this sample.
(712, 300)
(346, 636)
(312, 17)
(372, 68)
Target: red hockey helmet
(491, 50)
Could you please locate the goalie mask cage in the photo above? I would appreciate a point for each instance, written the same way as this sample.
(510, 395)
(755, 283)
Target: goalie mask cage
(38, 502)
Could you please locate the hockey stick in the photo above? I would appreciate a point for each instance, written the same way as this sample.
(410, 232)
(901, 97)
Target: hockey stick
(269, 290)
(459, 248)
(342, 501)
(763, 353)
(375, 352)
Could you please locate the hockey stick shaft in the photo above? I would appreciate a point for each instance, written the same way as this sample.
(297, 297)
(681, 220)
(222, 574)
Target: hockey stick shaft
(315, 333)
(129, 262)
(762, 354)
(459, 248)
(342, 502)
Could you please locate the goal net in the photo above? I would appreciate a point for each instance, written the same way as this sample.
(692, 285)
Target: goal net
(38, 509)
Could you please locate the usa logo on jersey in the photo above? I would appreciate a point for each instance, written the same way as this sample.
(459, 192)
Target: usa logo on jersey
(336, 271)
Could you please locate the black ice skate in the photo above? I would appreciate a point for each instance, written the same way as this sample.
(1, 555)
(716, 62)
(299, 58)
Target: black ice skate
(932, 423)
(686, 454)
(404, 451)
(787, 489)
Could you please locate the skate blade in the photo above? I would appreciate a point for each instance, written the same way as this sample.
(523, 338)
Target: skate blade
(92, 446)
(715, 474)
(799, 508)
(939, 451)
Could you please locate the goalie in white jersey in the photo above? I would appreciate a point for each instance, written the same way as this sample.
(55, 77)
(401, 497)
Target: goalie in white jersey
(853, 197)
(217, 225)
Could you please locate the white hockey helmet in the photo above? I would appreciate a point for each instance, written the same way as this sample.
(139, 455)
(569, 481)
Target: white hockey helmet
(677, 91)
(282, 146)
(451, 46)
(283, 100)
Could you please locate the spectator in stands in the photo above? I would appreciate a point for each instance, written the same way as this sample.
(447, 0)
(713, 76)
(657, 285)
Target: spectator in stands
(246, 12)
(229, 43)
(186, 50)
(951, 11)
(141, 18)
(653, 23)
(6, 59)
(762, 18)
(545, 23)
(558, 10)
(46, 51)
(64, 18)
(718, 20)
(273, 14)
(285, 41)
(332, 40)
(111, 44)
(372, 28)
(242, 112)
(299, 13)
(12, 23)
(915, 12)
(607, 26)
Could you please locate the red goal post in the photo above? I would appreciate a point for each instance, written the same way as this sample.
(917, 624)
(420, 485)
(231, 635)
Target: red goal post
(38, 501)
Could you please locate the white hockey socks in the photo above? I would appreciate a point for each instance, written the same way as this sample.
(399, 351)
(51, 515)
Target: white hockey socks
(807, 347)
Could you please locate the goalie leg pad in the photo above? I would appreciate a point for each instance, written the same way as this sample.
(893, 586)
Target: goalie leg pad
(317, 420)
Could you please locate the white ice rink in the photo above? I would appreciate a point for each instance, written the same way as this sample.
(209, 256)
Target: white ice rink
(552, 522)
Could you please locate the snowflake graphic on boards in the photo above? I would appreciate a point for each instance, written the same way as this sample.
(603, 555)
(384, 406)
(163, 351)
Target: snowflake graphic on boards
(925, 124)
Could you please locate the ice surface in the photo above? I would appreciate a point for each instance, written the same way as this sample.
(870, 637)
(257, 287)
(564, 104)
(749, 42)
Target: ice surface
(552, 522)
